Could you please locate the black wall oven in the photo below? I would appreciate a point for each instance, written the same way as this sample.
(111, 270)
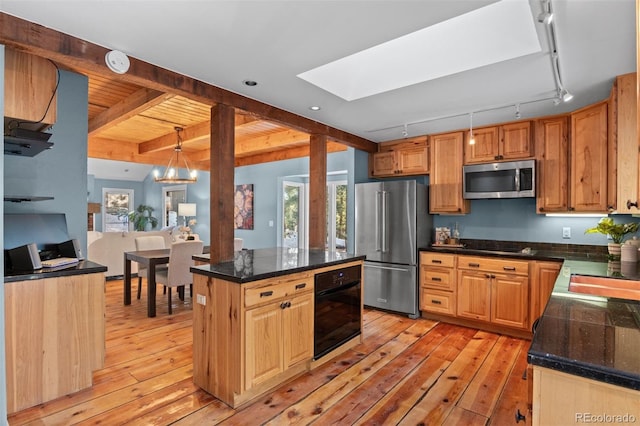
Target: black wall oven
(338, 308)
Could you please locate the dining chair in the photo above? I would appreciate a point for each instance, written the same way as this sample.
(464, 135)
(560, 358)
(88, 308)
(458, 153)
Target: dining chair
(151, 242)
(180, 261)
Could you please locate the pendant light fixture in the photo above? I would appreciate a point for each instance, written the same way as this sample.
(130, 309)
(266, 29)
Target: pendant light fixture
(176, 163)
(472, 141)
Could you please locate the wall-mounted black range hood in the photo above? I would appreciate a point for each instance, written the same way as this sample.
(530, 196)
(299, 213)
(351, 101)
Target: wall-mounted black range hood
(26, 143)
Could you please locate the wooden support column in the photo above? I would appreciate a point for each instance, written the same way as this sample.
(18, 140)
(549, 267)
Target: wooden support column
(317, 191)
(222, 182)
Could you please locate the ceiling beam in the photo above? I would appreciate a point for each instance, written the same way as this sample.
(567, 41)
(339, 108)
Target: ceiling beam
(285, 154)
(74, 52)
(131, 106)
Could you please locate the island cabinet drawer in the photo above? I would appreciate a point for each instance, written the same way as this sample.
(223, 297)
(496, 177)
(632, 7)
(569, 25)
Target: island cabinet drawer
(441, 278)
(492, 264)
(438, 301)
(271, 291)
(437, 259)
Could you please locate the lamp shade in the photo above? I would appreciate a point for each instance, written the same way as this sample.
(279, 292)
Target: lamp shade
(186, 209)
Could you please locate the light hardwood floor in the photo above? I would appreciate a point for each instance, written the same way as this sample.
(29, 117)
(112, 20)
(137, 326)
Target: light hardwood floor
(405, 372)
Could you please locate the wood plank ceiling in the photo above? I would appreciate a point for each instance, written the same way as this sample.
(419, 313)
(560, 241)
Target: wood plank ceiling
(132, 123)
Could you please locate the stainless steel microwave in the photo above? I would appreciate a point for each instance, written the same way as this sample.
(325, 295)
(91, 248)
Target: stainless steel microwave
(512, 179)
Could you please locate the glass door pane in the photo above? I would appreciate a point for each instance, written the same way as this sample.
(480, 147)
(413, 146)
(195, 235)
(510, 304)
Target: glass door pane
(337, 216)
(293, 214)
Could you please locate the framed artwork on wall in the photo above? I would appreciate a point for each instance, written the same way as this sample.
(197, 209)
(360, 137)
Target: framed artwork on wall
(243, 207)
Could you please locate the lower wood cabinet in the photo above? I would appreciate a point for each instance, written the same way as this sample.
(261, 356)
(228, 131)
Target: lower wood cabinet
(278, 335)
(438, 283)
(563, 399)
(543, 278)
(54, 337)
(250, 338)
(483, 289)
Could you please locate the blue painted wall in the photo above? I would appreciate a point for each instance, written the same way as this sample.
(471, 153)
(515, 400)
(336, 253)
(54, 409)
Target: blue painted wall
(516, 220)
(60, 172)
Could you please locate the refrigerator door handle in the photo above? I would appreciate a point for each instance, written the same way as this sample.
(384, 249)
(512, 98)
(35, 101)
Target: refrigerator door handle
(383, 226)
(391, 268)
(377, 213)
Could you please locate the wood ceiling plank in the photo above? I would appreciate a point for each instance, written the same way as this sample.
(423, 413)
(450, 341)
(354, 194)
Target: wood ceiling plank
(108, 149)
(138, 102)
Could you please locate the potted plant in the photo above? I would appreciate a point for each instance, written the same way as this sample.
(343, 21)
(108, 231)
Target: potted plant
(616, 231)
(142, 217)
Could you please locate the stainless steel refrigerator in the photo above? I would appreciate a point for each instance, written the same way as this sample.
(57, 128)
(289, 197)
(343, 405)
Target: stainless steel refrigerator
(392, 222)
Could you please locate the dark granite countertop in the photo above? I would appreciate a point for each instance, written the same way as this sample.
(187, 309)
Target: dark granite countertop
(80, 268)
(528, 254)
(258, 264)
(590, 336)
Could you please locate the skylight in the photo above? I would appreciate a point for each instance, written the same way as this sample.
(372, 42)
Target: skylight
(488, 35)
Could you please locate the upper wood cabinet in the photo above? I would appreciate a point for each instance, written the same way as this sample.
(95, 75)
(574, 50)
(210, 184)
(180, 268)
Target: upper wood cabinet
(623, 133)
(446, 174)
(30, 83)
(552, 149)
(405, 157)
(589, 149)
(499, 143)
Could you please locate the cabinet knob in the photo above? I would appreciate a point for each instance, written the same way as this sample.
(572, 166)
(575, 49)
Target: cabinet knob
(630, 204)
(520, 417)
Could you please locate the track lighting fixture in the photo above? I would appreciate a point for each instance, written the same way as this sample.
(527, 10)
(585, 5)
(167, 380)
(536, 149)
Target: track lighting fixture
(518, 115)
(405, 133)
(472, 141)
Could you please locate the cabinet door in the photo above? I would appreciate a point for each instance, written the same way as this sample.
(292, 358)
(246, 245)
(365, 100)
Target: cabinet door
(486, 146)
(413, 161)
(263, 344)
(553, 162)
(509, 296)
(543, 279)
(384, 164)
(623, 113)
(445, 192)
(515, 141)
(29, 83)
(588, 178)
(298, 330)
(474, 295)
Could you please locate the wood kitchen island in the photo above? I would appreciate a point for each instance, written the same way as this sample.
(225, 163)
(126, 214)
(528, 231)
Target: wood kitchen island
(253, 319)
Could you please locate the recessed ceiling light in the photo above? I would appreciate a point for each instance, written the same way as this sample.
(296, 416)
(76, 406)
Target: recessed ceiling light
(250, 83)
(315, 108)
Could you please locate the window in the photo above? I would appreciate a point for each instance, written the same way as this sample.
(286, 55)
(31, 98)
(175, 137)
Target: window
(116, 205)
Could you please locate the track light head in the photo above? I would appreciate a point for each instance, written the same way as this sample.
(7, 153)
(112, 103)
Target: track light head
(545, 18)
(405, 133)
(565, 95)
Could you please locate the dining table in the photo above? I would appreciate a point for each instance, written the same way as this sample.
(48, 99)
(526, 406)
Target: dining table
(149, 259)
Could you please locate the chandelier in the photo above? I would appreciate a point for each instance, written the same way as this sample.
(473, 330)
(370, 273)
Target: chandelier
(176, 163)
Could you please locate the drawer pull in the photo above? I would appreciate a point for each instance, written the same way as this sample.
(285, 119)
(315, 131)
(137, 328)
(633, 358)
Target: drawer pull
(436, 261)
(436, 302)
(266, 293)
(438, 279)
(509, 268)
(300, 286)
(474, 265)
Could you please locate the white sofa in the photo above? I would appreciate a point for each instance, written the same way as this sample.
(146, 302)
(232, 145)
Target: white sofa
(108, 248)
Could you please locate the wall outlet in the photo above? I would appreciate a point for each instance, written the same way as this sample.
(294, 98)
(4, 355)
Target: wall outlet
(566, 232)
(201, 299)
